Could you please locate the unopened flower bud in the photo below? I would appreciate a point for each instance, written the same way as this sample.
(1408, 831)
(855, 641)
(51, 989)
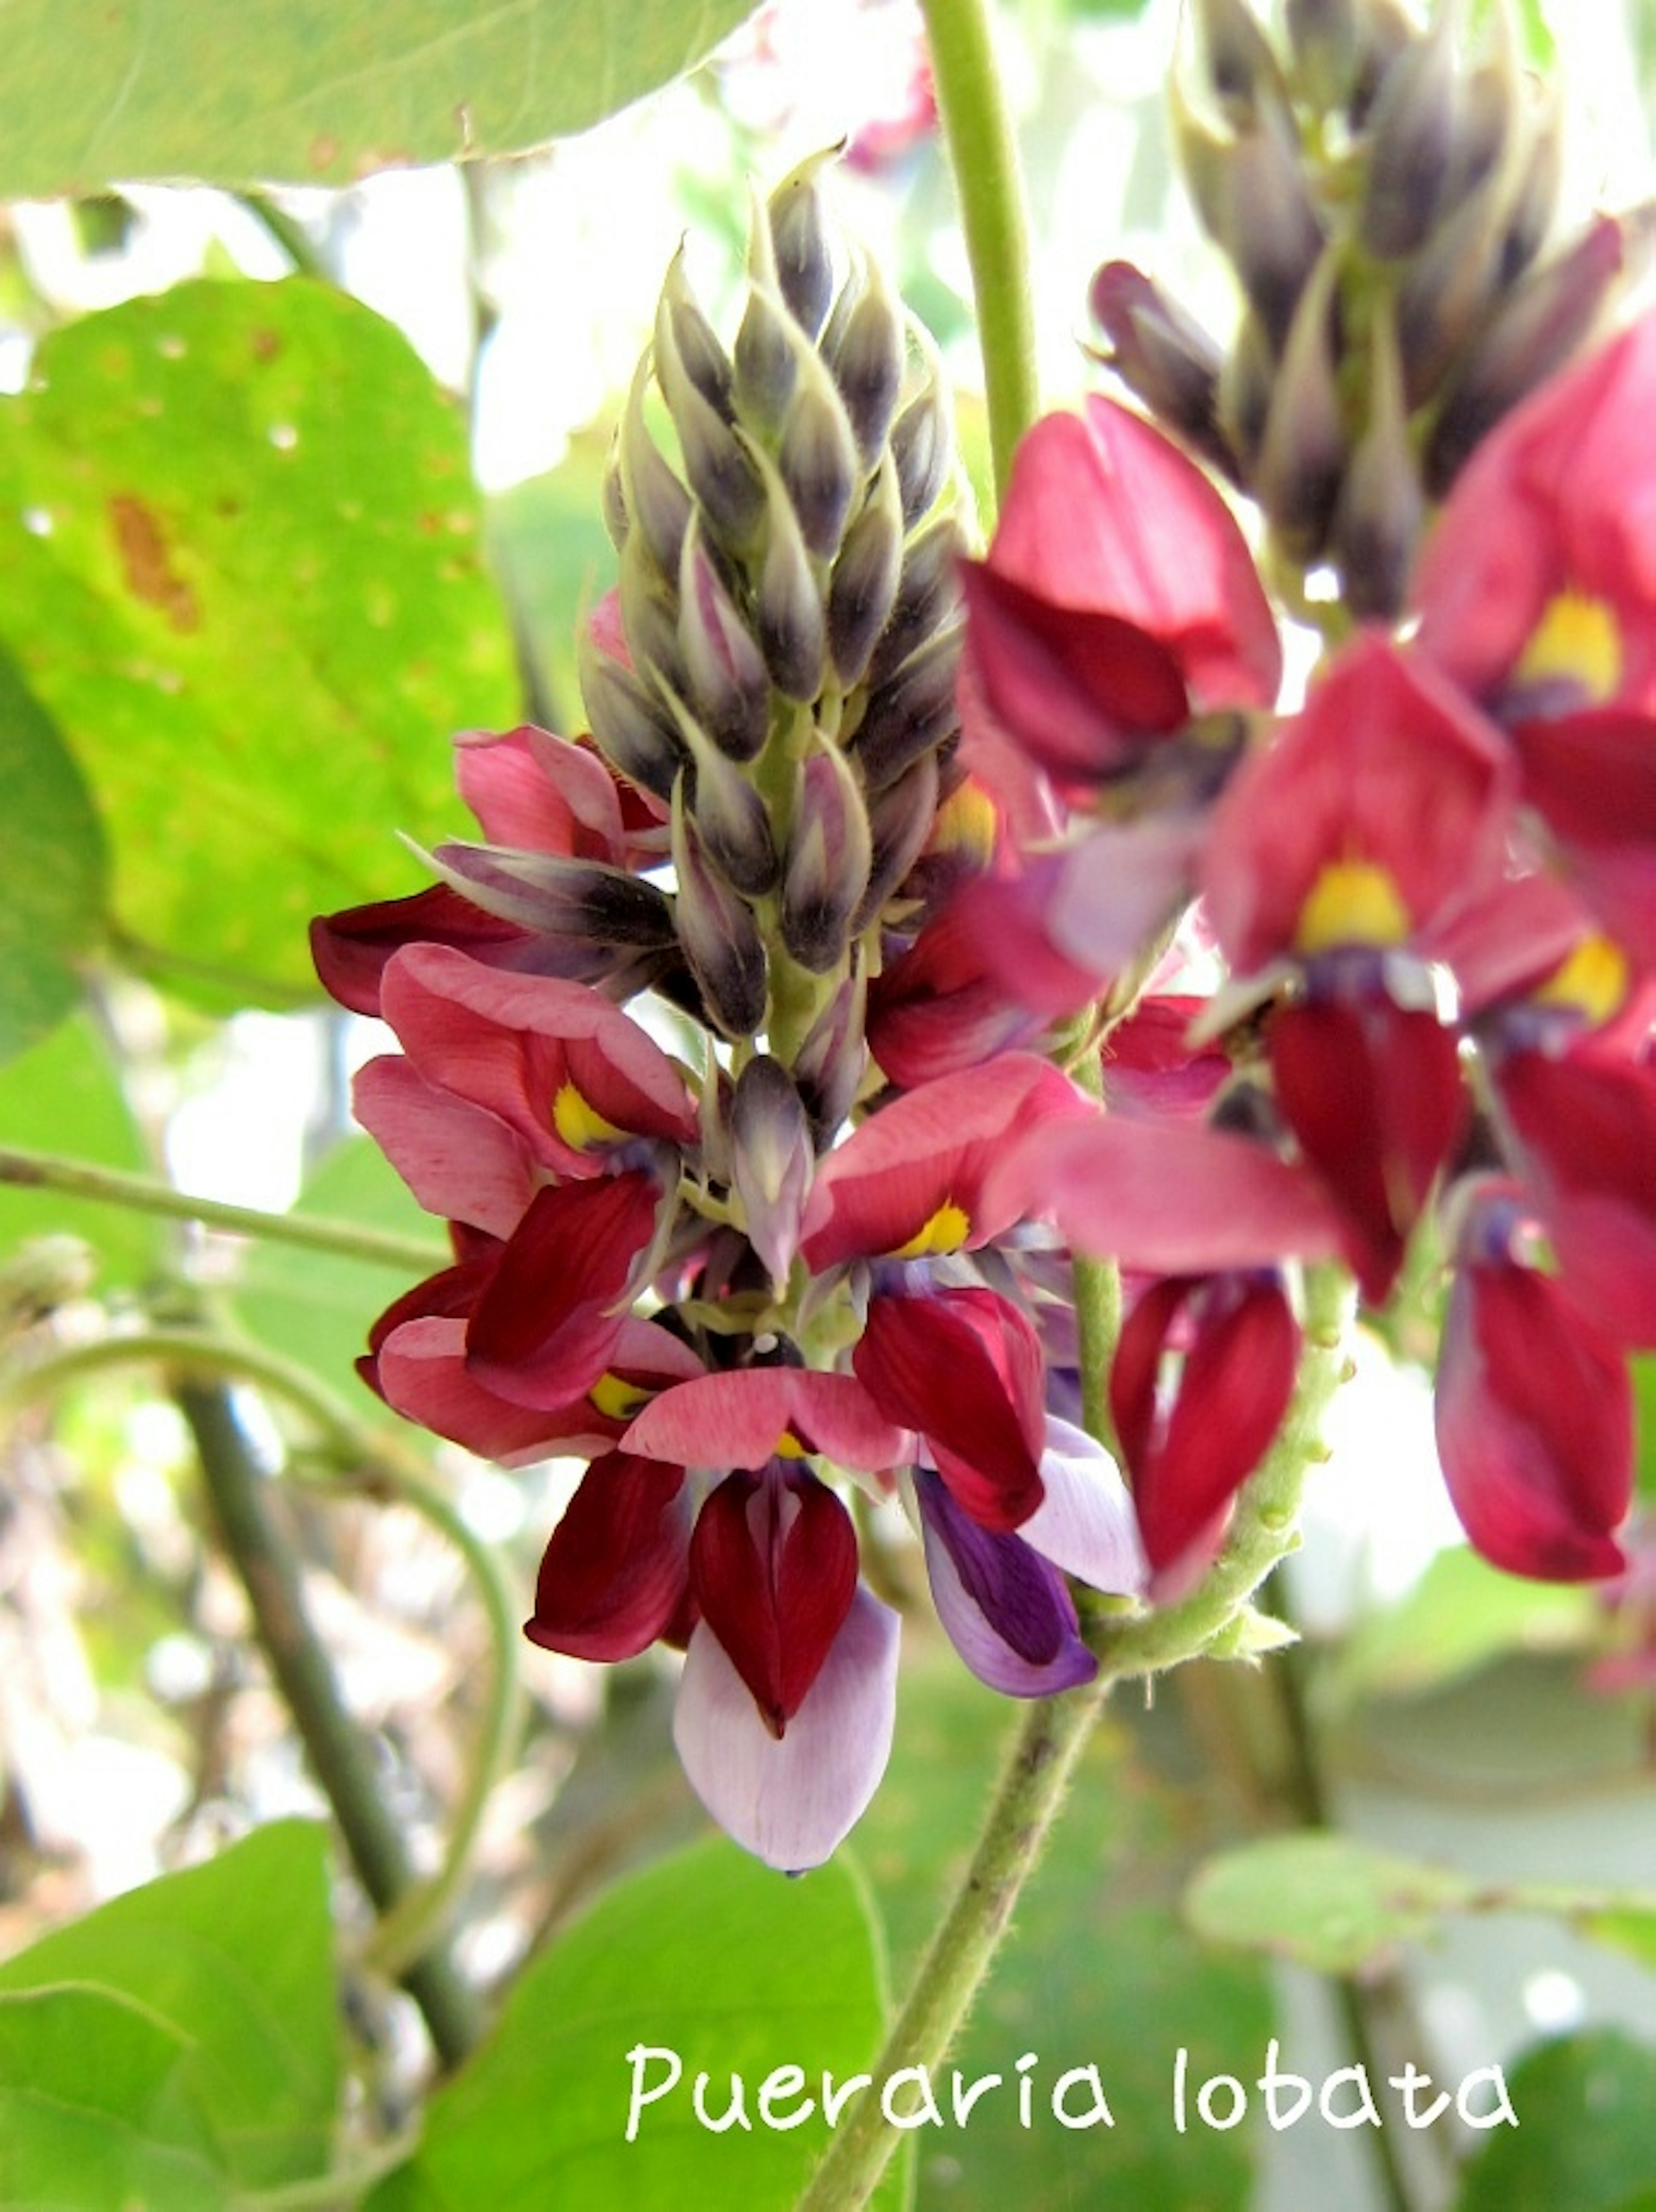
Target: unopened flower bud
(717, 933)
(829, 1067)
(1246, 384)
(771, 1161)
(1450, 288)
(1384, 31)
(730, 815)
(1243, 74)
(788, 616)
(1552, 313)
(922, 443)
(911, 714)
(862, 589)
(654, 501)
(900, 821)
(1535, 196)
(718, 462)
(1251, 195)
(817, 458)
(800, 243)
(867, 357)
(725, 671)
(1163, 356)
(649, 612)
(928, 592)
(825, 868)
(694, 343)
(572, 902)
(1322, 37)
(1381, 506)
(630, 727)
(1411, 141)
(1303, 450)
(766, 358)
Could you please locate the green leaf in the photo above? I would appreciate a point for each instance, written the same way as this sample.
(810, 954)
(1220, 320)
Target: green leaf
(1584, 2139)
(1324, 1901)
(234, 1961)
(98, 2109)
(65, 1096)
(244, 573)
(96, 91)
(315, 1308)
(707, 1954)
(1459, 1616)
(53, 884)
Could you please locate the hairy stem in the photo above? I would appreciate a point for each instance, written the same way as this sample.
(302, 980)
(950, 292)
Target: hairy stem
(147, 1194)
(983, 155)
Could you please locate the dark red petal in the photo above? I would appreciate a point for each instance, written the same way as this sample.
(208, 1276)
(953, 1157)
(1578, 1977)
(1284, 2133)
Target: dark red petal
(773, 1569)
(350, 949)
(965, 1368)
(1534, 1426)
(1373, 1094)
(615, 1575)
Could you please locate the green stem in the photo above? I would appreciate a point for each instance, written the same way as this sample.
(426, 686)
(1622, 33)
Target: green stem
(412, 1913)
(1097, 1290)
(1025, 1803)
(1033, 1788)
(983, 155)
(146, 1194)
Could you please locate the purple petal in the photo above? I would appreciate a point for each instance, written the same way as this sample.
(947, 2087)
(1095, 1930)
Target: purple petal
(792, 1800)
(1085, 1522)
(1004, 1608)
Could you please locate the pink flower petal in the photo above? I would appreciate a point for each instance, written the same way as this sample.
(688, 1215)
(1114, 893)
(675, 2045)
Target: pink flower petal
(740, 1419)
(460, 1161)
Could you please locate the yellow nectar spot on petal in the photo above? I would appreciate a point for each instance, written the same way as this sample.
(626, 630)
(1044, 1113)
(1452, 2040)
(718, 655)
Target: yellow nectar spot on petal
(788, 1446)
(1592, 981)
(616, 1399)
(579, 1123)
(1351, 903)
(966, 822)
(945, 1230)
(1576, 641)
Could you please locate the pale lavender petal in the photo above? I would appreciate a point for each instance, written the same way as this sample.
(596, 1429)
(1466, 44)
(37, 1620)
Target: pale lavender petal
(792, 1799)
(1085, 1521)
(1003, 1606)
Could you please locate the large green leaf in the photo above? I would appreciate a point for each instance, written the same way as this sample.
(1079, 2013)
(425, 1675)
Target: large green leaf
(53, 886)
(234, 1960)
(708, 1955)
(66, 1097)
(96, 91)
(98, 2109)
(243, 572)
(1584, 2140)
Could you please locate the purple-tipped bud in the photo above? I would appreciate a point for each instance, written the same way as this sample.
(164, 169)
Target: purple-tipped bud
(649, 613)
(1163, 355)
(1243, 74)
(629, 726)
(1450, 289)
(867, 356)
(1529, 217)
(767, 357)
(912, 714)
(656, 503)
(1251, 192)
(573, 903)
(1384, 31)
(928, 593)
(1552, 313)
(729, 686)
(730, 815)
(1381, 506)
(922, 445)
(1245, 384)
(771, 1161)
(862, 589)
(717, 461)
(825, 868)
(1298, 472)
(900, 821)
(829, 1067)
(1412, 142)
(801, 245)
(695, 343)
(717, 934)
(616, 520)
(788, 615)
(817, 458)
